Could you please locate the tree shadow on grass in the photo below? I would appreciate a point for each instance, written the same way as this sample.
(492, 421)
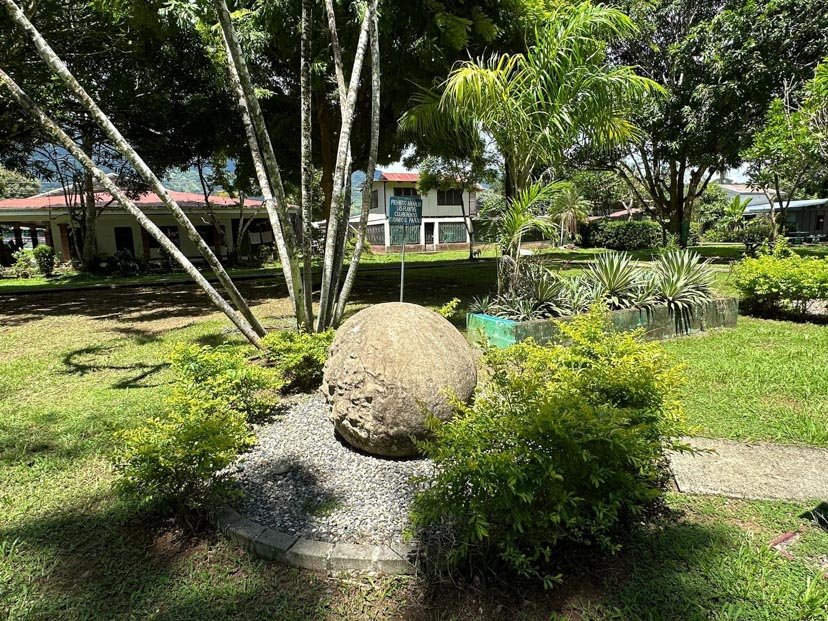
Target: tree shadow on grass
(678, 570)
(117, 563)
(83, 361)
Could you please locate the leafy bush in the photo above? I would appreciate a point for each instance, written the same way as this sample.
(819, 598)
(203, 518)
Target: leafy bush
(449, 309)
(298, 357)
(32, 261)
(562, 445)
(24, 265)
(623, 234)
(225, 373)
(44, 258)
(781, 281)
(177, 458)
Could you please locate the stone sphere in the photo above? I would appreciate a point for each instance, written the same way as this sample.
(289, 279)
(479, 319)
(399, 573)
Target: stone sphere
(389, 366)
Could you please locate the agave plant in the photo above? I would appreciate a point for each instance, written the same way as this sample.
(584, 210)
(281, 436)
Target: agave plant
(482, 305)
(618, 278)
(682, 282)
(577, 294)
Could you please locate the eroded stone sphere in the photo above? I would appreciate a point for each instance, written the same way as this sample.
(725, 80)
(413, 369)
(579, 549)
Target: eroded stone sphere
(390, 365)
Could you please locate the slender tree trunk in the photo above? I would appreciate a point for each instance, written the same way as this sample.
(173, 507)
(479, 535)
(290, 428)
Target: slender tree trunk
(367, 193)
(307, 164)
(90, 224)
(125, 149)
(262, 150)
(342, 160)
(67, 143)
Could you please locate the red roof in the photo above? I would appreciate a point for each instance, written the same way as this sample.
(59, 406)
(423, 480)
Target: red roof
(184, 199)
(400, 176)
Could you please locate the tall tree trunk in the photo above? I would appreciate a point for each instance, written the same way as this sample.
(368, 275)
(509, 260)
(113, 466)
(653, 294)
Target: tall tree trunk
(307, 164)
(90, 224)
(367, 193)
(67, 143)
(342, 161)
(262, 150)
(126, 150)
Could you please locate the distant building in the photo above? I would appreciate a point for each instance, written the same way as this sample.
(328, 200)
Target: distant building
(45, 219)
(442, 226)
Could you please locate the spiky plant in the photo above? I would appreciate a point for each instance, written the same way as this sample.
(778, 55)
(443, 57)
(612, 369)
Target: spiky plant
(618, 277)
(682, 282)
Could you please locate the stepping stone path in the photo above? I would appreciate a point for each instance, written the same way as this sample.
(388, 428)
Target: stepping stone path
(754, 471)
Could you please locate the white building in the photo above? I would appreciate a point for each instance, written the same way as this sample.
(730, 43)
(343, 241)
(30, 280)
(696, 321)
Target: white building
(45, 219)
(442, 226)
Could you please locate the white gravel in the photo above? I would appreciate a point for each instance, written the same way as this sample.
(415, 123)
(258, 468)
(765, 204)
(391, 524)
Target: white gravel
(301, 478)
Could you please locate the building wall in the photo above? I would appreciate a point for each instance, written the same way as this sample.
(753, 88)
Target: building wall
(385, 190)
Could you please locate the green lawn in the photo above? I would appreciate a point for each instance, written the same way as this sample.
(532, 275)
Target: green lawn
(76, 367)
(763, 380)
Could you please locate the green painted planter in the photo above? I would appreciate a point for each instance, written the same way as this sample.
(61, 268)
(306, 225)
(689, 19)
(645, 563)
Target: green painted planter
(656, 322)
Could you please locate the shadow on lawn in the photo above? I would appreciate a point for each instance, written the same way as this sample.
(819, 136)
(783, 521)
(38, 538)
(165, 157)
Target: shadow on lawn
(92, 359)
(118, 564)
(658, 576)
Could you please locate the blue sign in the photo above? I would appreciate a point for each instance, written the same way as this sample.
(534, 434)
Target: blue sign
(406, 210)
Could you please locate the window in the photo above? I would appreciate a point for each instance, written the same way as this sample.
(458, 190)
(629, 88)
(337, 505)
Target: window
(375, 200)
(375, 234)
(170, 231)
(207, 233)
(454, 196)
(123, 240)
(412, 234)
(452, 232)
(405, 192)
(820, 223)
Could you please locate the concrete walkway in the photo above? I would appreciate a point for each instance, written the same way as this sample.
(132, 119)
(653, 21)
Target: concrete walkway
(756, 471)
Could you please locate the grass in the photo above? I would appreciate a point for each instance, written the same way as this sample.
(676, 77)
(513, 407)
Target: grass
(76, 367)
(763, 380)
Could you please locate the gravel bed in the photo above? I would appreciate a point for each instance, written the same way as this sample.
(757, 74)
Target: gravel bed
(301, 478)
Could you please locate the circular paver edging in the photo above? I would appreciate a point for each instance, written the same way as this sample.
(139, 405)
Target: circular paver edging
(399, 559)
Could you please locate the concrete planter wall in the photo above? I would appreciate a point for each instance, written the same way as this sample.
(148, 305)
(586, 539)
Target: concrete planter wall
(657, 323)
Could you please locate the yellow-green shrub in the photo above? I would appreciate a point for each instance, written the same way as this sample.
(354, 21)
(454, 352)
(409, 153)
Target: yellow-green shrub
(177, 458)
(227, 373)
(298, 357)
(563, 445)
(781, 281)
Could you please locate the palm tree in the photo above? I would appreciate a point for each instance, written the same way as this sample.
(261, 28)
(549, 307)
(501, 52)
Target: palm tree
(520, 216)
(561, 93)
(734, 213)
(570, 208)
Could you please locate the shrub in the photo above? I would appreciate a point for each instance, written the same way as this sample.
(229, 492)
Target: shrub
(449, 309)
(225, 373)
(176, 459)
(24, 265)
(781, 281)
(624, 234)
(298, 357)
(563, 445)
(44, 258)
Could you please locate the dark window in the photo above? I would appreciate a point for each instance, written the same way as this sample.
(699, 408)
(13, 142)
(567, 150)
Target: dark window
(208, 234)
(820, 223)
(375, 199)
(405, 192)
(170, 231)
(123, 240)
(453, 196)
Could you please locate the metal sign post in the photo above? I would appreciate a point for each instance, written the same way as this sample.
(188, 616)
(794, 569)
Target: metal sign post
(405, 211)
(402, 267)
